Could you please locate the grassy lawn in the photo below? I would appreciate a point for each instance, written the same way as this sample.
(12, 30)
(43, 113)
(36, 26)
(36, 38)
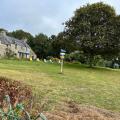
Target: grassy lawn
(97, 86)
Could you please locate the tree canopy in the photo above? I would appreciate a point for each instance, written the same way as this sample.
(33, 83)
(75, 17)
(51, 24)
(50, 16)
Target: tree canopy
(93, 29)
(41, 45)
(20, 34)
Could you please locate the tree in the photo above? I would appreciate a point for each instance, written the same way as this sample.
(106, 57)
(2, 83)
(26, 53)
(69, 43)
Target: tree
(61, 41)
(41, 45)
(93, 30)
(57, 44)
(20, 34)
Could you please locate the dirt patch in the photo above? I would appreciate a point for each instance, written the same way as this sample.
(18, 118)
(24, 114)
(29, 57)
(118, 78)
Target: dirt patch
(72, 111)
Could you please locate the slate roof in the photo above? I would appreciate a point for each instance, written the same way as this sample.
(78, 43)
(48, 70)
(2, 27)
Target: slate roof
(10, 40)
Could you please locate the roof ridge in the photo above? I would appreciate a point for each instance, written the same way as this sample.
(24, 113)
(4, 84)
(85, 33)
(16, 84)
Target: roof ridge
(12, 40)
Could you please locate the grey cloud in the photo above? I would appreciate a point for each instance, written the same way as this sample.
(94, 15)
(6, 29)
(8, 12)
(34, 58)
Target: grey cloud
(37, 16)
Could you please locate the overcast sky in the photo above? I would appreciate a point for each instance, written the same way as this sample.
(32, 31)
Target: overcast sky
(42, 16)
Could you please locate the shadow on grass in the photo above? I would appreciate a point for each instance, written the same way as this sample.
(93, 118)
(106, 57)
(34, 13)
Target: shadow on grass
(86, 67)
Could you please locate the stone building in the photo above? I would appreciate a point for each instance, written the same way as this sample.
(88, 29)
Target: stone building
(19, 47)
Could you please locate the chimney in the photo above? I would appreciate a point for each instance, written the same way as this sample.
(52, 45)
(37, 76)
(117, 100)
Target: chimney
(3, 33)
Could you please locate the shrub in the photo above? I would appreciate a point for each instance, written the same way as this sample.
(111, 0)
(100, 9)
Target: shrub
(75, 56)
(55, 60)
(17, 112)
(17, 91)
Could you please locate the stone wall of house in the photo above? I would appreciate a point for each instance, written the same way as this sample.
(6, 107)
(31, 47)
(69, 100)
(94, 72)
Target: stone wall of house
(2, 49)
(16, 49)
(13, 48)
(32, 54)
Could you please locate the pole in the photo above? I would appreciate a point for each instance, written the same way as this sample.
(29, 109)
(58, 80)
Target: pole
(61, 65)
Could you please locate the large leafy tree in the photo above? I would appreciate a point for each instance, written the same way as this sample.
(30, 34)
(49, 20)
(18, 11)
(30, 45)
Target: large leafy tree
(93, 30)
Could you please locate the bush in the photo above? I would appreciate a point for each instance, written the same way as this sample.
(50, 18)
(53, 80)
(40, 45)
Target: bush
(75, 56)
(17, 112)
(17, 91)
(55, 60)
(20, 99)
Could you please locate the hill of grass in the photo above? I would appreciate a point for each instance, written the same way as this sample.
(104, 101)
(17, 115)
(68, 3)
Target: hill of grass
(98, 87)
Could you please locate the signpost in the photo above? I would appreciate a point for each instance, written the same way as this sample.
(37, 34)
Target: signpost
(62, 55)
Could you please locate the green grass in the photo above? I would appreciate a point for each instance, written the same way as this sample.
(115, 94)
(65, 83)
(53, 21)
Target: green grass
(90, 86)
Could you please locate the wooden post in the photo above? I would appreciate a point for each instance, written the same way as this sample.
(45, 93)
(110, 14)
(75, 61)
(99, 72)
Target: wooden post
(61, 65)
